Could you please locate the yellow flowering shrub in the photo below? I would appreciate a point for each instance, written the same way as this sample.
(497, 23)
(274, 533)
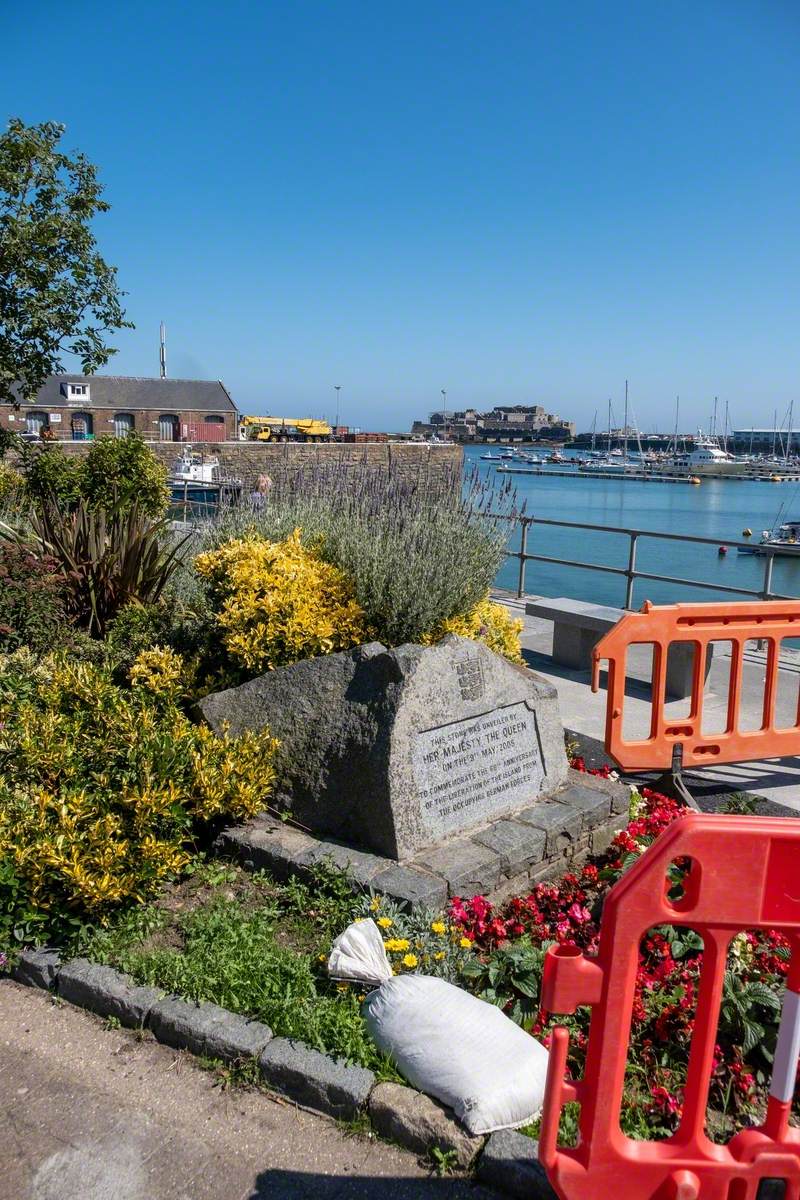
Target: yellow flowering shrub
(102, 788)
(279, 602)
(11, 483)
(489, 623)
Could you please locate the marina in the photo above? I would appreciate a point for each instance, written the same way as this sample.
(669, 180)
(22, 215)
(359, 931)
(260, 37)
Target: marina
(716, 510)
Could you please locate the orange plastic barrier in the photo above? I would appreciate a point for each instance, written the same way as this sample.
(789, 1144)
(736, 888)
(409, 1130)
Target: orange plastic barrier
(743, 875)
(770, 620)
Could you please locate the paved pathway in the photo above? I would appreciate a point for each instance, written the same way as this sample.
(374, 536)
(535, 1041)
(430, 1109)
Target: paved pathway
(88, 1113)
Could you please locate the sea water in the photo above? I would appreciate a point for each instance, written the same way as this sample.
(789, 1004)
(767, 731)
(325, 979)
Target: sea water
(720, 509)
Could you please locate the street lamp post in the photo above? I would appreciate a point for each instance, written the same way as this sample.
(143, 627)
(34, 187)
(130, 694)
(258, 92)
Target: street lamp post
(337, 387)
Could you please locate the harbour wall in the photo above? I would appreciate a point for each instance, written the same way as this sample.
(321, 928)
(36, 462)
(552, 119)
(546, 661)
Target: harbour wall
(434, 468)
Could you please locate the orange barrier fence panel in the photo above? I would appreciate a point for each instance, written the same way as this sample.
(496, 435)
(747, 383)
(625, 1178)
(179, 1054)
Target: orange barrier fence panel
(742, 875)
(699, 624)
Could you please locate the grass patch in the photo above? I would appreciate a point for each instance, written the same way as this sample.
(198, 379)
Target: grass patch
(253, 946)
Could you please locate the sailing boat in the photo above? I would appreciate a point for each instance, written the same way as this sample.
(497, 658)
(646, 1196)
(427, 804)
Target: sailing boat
(616, 462)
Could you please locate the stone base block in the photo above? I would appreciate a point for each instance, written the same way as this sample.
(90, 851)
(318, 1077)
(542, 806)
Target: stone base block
(505, 857)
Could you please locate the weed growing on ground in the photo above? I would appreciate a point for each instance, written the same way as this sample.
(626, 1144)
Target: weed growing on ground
(444, 1162)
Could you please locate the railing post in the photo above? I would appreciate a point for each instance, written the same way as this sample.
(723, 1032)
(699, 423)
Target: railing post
(631, 572)
(523, 550)
(766, 590)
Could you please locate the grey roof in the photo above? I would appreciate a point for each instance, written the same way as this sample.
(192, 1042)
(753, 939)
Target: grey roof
(130, 392)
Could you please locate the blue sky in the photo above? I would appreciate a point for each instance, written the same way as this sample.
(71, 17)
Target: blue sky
(513, 201)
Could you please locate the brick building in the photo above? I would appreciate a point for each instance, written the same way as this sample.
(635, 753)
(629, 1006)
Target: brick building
(79, 407)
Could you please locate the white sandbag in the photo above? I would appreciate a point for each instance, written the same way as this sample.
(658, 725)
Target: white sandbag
(358, 955)
(446, 1042)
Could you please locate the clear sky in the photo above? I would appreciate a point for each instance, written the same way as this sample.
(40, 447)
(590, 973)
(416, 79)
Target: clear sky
(512, 201)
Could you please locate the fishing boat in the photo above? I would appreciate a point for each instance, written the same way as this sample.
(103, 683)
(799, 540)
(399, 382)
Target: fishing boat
(196, 479)
(783, 539)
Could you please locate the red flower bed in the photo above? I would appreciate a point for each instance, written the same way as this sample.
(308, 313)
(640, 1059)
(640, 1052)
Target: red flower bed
(670, 960)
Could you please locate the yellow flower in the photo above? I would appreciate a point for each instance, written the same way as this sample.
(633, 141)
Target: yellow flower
(465, 944)
(439, 955)
(439, 927)
(385, 922)
(395, 944)
(410, 960)
(322, 957)
(375, 903)
(358, 920)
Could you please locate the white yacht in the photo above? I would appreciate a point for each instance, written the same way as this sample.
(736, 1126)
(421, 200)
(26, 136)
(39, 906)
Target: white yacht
(706, 457)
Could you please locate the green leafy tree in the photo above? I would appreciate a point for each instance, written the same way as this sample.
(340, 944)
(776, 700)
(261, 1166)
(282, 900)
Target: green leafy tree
(50, 475)
(57, 294)
(120, 472)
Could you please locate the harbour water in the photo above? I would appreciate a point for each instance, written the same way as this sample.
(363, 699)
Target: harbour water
(718, 509)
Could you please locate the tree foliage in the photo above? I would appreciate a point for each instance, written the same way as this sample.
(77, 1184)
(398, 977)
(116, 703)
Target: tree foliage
(57, 293)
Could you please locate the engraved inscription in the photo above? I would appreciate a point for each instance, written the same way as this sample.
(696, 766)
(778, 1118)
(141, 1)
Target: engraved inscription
(470, 771)
(470, 679)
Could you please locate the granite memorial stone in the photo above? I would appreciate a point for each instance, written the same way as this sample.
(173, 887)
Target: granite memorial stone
(398, 750)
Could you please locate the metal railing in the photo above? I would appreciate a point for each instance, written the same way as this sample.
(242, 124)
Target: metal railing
(630, 572)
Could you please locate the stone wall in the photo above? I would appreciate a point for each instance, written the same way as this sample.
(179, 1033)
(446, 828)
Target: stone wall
(438, 465)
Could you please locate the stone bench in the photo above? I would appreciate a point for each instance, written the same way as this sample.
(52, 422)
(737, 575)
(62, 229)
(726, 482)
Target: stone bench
(579, 625)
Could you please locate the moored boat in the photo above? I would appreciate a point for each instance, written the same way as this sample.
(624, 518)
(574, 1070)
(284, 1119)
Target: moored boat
(196, 479)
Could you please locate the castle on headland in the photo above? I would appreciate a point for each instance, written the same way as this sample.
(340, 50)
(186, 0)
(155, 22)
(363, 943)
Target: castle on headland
(505, 422)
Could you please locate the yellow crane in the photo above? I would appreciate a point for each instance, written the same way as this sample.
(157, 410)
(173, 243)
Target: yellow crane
(284, 429)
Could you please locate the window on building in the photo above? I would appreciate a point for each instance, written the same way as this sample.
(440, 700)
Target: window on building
(123, 424)
(82, 426)
(36, 422)
(168, 427)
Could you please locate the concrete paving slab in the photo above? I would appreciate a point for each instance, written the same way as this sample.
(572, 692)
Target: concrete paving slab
(98, 1114)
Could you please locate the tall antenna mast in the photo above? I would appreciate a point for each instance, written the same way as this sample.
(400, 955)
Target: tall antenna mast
(162, 353)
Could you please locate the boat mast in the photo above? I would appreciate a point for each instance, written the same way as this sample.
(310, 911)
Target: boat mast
(725, 435)
(608, 449)
(774, 429)
(625, 426)
(789, 431)
(594, 430)
(677, 410)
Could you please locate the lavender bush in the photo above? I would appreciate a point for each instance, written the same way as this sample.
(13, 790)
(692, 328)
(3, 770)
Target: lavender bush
(418, 557)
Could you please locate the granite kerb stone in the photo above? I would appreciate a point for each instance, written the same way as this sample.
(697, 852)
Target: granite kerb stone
(37, 968)
(207, 1029)
(106, 992)
(510, 1162)
(420, 1123)
(315, 1080)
